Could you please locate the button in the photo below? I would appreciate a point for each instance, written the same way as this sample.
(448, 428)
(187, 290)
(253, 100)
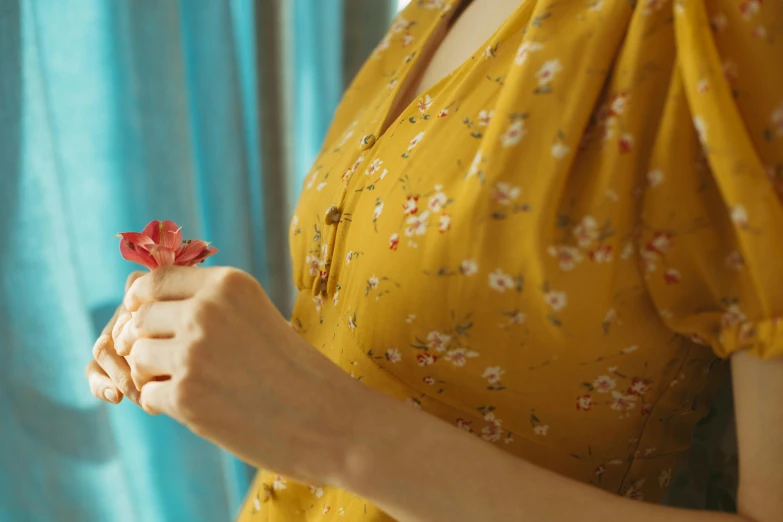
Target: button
(367, 142)
(332, 215)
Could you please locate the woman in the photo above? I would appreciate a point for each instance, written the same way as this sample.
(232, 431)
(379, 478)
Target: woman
(516, 280)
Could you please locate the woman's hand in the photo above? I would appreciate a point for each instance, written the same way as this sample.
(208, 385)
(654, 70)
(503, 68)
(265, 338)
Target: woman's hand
(108, 373)
(207, 347)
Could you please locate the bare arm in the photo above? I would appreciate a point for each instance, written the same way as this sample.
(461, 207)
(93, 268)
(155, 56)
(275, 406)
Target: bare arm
(425, 469)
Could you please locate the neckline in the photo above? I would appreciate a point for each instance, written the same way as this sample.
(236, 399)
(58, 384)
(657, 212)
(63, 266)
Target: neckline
(416, 67)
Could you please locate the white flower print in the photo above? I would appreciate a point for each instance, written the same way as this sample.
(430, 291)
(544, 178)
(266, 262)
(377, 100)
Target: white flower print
(627, 252)
(392, 83)
(428, 380)
(474, 169)
(410, 401)
(313, 264)
(735, 261)
(317, 491)
(468, 267)
(517, 318)
(394, 241)
(548, 71)
(341, 512)
(319, 302)
(730, 70)
(459, 356)
(732, 316)
(438, 341)
(444, 222)
(760, 32)
(335, 298)
(672, 276)
(739, 216)
(661, 242)
(279, 483)
(701, 128)
(400, 24)
(417, 225)
(622, 402)
(311, 181)
(372, 283)
(348, 257)
(541, 429)
(410, 318)
(493, 430)
(665, 477)
(629, 349)
(560, 151)
(604, 384)
(556, 300)
(654, 178)
(650, 6)
(443, 113)
(382, 45)
(378, 210)
(393, 355)
(294, 222)
(584, 402)
(320, 186)
(485, 117)
(437, 201)
(639, 387)
(500, 281)
(415, 141)
(777, 119)
(351, 322)
(702, 85)
(406, 39)
(719, 22)
(586, 232)
(492, 374)
(374, 167)
(625, 142)
(597, 6)
(424, 103)
(618, 104)
(513, 135)
(525, 49)
(567, 257)
(435, 4)
(505, 194)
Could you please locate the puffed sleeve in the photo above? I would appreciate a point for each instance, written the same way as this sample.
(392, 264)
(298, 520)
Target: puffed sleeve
(711, 233)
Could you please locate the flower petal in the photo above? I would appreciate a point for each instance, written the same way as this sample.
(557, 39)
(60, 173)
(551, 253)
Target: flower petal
(163, 255)
(165, 233)
(137, 253)
(194, 252)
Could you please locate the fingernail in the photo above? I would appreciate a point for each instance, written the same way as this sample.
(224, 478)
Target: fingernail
(110, 395)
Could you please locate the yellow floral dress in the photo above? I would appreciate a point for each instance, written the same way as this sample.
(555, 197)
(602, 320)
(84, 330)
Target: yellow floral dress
(556, 246)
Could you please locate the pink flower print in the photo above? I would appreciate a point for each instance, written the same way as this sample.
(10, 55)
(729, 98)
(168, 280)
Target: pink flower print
(625, 143)
(429, 380)
(634, 490)
(411, 205)
(443, 113)
(748, 8)
(393, 355)
(279, 483)
(464, 425)
(647, 409)
(735, 261)
(425, 359)
(348, 257)
(468, 267)
(730, 70)
(602, 254)
(485, 117)
(319, 301)
(394, 241)
(660, 243)
(541, 429)
(413, 403)
(313, 265)
(672, 276)
(415, 141)
(639, 387)
(445, 223)
(438, 201)
(618, 104)
(702, 85)
(584, 402)
(492, 374)
(374, 167)
(665, 478)
(406, 39)
(400, 24)
(378, 209)
(732, 316)
(317, 491)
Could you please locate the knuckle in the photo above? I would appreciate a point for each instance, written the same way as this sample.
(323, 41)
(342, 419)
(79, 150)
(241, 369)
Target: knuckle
(101, 347)
(229, 278)
(203, 314)
(133, 276)
(123, 381)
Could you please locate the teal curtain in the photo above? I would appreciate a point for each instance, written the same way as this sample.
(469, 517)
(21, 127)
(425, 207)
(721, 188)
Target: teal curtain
(113, 113)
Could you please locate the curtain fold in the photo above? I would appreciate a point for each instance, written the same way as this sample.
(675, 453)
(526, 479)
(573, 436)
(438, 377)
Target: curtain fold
(114, 113)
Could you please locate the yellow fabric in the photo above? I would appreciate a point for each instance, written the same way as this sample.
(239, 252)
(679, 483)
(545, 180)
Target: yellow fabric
(543, 248)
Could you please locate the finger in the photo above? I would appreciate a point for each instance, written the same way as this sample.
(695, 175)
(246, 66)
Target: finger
(101, 385)
(133, 277)
(157, 397)
(157, 319)
(123, 316)
(167, 283)
(154, 358)
(115, 367)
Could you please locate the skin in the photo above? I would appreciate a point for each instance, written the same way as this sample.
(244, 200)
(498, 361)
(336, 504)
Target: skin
(208, 348)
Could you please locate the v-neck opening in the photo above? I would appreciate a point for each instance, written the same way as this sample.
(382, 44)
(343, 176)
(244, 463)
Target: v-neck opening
(388, 120)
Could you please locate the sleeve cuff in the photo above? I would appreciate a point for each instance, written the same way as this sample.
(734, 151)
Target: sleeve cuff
(764, 339)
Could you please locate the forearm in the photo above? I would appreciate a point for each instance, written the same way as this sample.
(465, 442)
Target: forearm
(417, 467)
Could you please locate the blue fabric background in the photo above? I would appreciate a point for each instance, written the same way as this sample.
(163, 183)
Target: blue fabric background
(113, 113)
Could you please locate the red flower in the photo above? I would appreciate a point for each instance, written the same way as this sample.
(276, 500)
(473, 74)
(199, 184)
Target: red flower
(160, 244)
